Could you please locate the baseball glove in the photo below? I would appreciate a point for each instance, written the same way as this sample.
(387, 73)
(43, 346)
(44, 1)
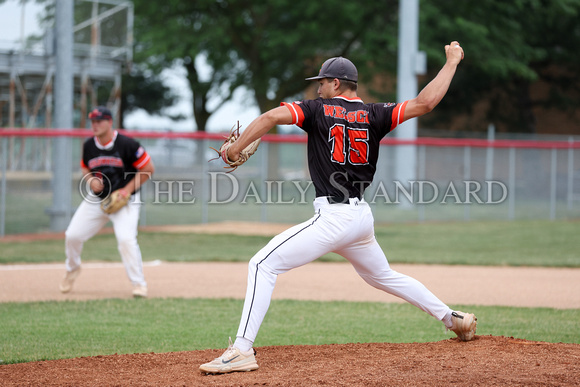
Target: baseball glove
(115, 201)
(244, 154)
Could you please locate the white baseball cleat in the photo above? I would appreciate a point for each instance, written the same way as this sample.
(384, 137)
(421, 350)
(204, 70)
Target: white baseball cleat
(68, 280)
(464, 325)
(139, 291)
(232, 360)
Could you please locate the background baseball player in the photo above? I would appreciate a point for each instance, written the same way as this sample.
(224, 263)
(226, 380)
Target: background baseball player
(114, 166)
(343, 146)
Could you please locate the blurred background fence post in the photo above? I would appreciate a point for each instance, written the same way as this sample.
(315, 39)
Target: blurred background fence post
(60, 212)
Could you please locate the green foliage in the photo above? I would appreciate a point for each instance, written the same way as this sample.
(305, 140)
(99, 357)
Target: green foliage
(57, 330)
(508, 46)
(271, 46)
(145, 90)
(177, 32)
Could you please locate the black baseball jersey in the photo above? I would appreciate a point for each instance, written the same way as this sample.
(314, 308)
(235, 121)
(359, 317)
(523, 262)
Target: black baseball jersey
(116, 161)
(343, 141)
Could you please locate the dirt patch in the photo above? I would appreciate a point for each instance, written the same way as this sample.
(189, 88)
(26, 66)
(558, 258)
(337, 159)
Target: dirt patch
(486, 361)
(229, 227)
(505, 286)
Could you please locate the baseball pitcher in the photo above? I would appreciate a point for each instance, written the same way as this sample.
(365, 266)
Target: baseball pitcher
(343, 148)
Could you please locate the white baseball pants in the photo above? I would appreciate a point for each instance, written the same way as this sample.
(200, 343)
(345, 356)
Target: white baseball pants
(345, 229)
(88, 219)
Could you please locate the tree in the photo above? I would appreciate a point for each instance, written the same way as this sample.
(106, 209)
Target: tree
(510, 46)
(269, 47)
(143, 90)
(283, 41)
(177, 32)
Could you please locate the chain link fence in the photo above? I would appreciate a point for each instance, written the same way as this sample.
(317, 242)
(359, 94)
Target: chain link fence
(456, 180)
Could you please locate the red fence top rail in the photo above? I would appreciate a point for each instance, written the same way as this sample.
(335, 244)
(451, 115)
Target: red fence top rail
(298, 138)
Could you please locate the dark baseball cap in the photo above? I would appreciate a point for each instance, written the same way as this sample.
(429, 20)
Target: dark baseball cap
(337, 67)
(100, 113)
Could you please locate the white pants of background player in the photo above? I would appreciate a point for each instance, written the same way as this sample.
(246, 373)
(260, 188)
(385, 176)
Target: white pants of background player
(346, 229)
(89, 219)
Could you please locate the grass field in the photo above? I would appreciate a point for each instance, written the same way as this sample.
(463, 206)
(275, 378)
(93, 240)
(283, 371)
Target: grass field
(55, 330)
(52, 330)
(517, 243)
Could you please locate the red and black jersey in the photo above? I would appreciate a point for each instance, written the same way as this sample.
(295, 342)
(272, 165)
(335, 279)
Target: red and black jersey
(343, 141)
(116, 162)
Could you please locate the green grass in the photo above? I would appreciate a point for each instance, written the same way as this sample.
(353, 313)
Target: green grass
(55, 330)
(166, 247)
(517, 243)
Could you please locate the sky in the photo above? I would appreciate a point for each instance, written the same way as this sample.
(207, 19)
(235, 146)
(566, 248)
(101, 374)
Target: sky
(15, 23)
(12, 25)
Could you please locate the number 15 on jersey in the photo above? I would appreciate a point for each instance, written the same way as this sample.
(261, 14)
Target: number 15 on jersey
(349, 142)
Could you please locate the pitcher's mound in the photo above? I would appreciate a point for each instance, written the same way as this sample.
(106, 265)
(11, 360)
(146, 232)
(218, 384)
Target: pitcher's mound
(486, 361)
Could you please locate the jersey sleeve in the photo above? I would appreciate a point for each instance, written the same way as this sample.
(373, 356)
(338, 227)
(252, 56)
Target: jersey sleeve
(304, 112)
(141, 157)
(134, 153)
(398, 114)
(387, 116)
(296, 111)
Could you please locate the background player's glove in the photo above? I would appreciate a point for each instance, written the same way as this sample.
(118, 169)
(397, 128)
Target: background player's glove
(115, 201)
(244, 154)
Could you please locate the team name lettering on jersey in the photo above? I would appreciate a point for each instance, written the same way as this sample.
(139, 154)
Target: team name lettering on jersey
(105, 161)
(360, 116)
